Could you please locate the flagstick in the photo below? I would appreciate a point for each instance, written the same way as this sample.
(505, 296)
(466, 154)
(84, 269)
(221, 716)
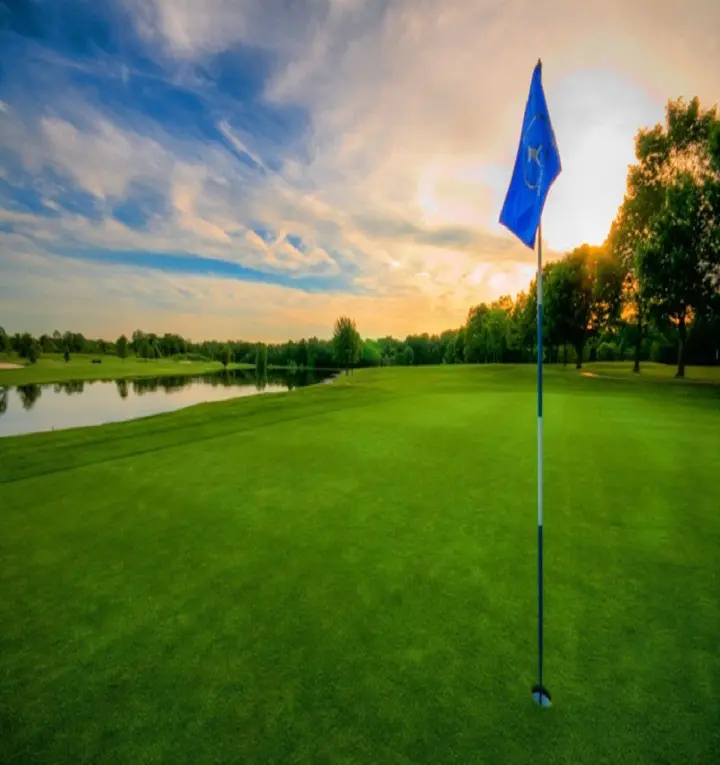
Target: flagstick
(543, 697)
(542, 693)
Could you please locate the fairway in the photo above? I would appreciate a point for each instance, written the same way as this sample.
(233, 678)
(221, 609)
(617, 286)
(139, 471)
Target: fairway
(347, 574)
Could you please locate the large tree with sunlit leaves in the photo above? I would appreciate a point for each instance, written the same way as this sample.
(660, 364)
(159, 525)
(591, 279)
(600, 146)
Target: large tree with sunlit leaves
(670, 158)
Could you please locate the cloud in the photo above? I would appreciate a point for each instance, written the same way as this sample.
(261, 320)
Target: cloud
(237, 144)
(360, 142)
(100, 299)
(103, 159)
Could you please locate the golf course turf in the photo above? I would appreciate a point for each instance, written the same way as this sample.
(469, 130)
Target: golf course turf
(53, 368)
(347, 574)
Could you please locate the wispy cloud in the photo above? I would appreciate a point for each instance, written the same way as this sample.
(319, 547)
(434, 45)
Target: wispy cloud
(115, 297)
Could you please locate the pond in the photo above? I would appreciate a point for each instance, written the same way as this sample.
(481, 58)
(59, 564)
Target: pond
(35, 408)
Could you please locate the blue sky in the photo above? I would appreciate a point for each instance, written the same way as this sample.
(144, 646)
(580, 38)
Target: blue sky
(227, 168)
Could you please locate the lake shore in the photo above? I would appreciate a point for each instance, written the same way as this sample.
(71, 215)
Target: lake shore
(44, 407)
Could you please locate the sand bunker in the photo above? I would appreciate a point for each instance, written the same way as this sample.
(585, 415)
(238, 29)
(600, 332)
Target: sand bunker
(588, 374)
(4, 365)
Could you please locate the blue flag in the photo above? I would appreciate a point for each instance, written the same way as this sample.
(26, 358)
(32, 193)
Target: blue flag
(537, 165)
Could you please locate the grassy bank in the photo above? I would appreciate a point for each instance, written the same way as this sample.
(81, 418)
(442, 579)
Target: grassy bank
(346, 573)
(650, 371)
(53, 368)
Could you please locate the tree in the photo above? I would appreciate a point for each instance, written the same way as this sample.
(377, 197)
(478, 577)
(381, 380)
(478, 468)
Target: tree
(449, 356)
(427, 349)
(303, 355)
(475, 336)
(703, 345)
(4, 341)
(142, 347)
(47, 344)
(678, 262)
(137, 343)
(21, 344)
(172, 344)
(500, 331)
(371, 355)
(490, 332)
(66, 355)
(583, 296)
(525, 311)
(685, 143)
(408, 356)
(75, 342)
(226, 356)
(121, 345)
(34, 352)
(460, 346)
(390, 349)
(608, 276)
(346, 343)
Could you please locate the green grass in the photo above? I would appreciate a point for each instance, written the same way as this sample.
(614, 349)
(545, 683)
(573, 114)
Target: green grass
(651, 371)
(346, 574)
(53, 368)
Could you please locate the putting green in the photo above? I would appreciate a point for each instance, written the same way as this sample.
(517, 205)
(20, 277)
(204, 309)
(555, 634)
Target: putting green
(346, 574)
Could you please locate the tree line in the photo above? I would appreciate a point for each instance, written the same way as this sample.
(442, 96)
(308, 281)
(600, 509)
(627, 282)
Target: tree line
(651, 291)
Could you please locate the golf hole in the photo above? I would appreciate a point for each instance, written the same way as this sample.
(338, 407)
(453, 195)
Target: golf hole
(541, 696)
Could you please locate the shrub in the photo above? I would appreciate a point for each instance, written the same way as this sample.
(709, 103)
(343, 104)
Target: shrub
(33, 352)
(607, 352)
(662, 352)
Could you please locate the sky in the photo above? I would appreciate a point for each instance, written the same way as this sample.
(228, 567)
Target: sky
(255, 168)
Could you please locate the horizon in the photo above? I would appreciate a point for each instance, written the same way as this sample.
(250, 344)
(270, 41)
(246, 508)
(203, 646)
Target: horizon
(254, 170)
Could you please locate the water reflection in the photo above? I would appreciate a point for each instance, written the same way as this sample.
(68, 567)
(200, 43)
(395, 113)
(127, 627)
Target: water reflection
(29, 394)
(80, 403)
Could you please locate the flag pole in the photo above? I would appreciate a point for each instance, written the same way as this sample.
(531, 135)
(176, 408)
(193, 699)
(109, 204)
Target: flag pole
(540, 693)
(540, 456)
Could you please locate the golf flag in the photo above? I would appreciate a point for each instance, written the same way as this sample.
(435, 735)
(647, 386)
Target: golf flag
(537, 165)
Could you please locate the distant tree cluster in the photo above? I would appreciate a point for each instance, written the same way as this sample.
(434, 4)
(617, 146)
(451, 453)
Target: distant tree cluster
(25, 345)
(31, 348)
